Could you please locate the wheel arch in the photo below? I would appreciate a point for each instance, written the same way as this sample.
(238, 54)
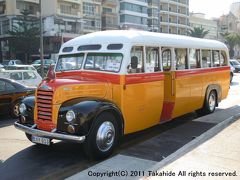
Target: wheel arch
(87, 110)
(214, 87)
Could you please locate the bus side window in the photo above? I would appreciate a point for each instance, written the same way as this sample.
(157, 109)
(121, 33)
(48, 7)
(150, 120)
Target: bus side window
(194, 58)
(152, 59)
(166, 59)
(206, 58)
(223, 58)
(215, 58)
(181, 59)
(137, 64)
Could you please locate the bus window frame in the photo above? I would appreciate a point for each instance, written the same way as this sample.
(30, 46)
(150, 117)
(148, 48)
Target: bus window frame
(159, 58)
(186, 63)
(171, 49)
(219, 58)
(225, 57)
(210, 58)
(130, 55)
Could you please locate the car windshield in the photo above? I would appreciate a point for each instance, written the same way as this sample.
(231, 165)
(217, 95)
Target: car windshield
(37, 62)
(70, 62)
(18, 62)
(104, 62)
(235, 63)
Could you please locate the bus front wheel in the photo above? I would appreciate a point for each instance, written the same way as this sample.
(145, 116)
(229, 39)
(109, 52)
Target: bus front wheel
(103, 137)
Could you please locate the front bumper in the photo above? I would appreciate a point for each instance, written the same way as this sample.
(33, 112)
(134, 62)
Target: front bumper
(52, 135)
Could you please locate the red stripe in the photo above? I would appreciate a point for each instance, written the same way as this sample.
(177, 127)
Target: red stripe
(113, 78)
(167, 111)
(144, 78)
(200, 71)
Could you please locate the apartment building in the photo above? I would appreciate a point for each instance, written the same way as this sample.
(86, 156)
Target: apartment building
(110, 9)
(133, 14)
(10, 11)
(199, 20)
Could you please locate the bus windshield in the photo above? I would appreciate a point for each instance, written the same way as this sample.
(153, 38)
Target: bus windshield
(70, 62)
(110, 62)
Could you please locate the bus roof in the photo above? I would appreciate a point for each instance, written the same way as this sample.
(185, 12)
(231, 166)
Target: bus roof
(144, 37)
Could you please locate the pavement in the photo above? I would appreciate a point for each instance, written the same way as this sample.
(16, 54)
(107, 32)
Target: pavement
(214, 154)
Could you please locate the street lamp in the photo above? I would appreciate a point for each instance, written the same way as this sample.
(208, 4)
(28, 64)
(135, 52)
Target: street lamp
(41, 39)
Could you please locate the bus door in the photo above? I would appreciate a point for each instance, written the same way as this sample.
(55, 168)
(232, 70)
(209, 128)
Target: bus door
(169, 84)
(142, 96)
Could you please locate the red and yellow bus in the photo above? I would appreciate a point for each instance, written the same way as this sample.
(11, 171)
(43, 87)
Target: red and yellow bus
(111, 83)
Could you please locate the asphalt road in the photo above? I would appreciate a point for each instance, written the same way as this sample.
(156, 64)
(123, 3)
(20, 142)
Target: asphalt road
(19, 158)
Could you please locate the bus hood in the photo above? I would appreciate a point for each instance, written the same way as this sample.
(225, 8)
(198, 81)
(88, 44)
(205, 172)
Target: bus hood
(66, 89)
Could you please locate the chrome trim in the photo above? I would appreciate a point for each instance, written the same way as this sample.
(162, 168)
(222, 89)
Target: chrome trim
(51, 135)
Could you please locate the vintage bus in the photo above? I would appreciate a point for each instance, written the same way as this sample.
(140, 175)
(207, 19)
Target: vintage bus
(111, 83)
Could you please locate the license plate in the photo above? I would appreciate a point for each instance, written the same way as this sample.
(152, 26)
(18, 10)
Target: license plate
(41, 140)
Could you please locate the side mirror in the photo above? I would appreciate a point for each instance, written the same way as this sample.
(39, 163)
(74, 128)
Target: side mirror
(134, 62)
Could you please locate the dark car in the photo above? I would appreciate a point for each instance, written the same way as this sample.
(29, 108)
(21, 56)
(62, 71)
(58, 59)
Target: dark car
(235, 64)
(11, 94)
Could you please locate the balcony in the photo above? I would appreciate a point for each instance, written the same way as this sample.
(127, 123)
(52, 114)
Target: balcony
(111, 3)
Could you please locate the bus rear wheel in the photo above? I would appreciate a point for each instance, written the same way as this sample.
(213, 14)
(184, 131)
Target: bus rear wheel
(209, 104)
(103, 138)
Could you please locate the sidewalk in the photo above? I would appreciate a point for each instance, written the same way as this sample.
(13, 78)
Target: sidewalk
(217, 151)
(218, 156)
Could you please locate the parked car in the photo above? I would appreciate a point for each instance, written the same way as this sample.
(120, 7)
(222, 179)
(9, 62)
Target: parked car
(235, 64)
(26, 77)
(47, 62)
(20, 67)
(11, 62)
(232, 70)
(11, 94)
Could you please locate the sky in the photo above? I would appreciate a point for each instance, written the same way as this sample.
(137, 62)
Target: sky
(212, 8)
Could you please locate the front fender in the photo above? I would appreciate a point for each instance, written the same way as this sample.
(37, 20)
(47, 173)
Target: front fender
(86, 110)
(29, 101)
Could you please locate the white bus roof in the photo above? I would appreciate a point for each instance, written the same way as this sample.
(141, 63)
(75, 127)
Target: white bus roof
(144, 38)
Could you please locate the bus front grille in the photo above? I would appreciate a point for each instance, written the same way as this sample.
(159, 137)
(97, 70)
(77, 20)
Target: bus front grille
(44, 105)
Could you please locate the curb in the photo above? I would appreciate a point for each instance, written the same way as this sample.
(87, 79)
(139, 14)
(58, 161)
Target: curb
(194, 143)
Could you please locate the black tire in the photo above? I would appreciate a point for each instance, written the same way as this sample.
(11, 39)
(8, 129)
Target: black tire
(231, 77)
(210, 104)
(15, 109)
(91, 144)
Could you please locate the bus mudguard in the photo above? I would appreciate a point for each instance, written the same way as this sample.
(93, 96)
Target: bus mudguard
(217, 88)
(85, 111)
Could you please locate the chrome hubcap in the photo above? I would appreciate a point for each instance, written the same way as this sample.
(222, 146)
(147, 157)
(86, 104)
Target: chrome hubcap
(105, 136)
(16, 109)
(212, 101)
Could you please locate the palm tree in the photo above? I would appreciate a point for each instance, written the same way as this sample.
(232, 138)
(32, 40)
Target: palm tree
(25, 35)
(198, 32)
(231, 39)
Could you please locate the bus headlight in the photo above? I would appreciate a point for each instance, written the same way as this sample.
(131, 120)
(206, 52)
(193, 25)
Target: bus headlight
(22, 108)
(70, 116)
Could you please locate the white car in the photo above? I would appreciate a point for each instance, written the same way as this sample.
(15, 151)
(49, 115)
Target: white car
(11, 62)
(27, 77)
(20, 67)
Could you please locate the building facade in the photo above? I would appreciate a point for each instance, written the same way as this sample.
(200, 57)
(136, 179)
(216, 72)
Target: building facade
(62, 20)
(166, 16)
(133, 14)
(66, 19)
(10, 12)
(174, 16)
(199, 20)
